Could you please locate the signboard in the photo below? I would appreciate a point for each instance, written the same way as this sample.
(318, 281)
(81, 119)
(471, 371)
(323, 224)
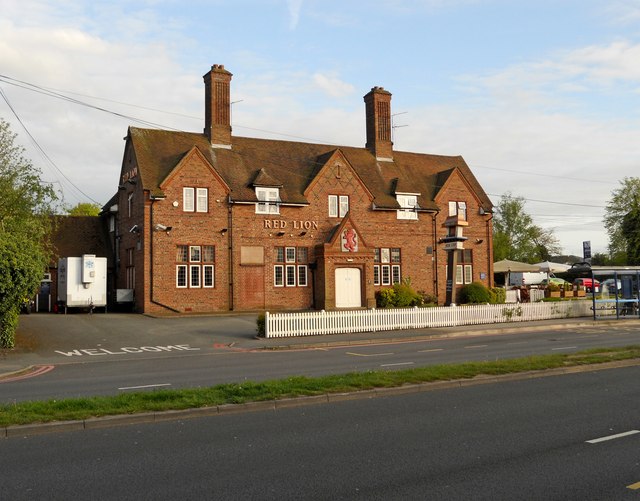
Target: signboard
(453, 246)
(586, 249)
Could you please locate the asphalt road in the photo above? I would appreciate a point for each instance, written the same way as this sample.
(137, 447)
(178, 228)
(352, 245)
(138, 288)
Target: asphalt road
(565, 437)
(174, 358)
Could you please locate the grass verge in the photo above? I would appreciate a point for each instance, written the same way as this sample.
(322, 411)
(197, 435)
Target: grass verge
(164, 400)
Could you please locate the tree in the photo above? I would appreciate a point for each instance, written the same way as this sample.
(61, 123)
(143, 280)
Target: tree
(25, 204)
(516, 237)
(625, 200)
(85, 209)
(631, 232)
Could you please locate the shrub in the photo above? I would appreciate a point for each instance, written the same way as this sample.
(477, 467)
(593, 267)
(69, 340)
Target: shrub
(385, 298)
(498, 295)
(427, 299)
(261, 322)
(474, 293)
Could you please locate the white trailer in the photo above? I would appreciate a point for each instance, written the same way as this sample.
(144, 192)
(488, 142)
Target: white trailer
(82, 281)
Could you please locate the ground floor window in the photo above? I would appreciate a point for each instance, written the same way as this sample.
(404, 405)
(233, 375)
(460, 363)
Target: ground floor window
(195, 266)
(291, 268)
(387, 268)
(464, 268)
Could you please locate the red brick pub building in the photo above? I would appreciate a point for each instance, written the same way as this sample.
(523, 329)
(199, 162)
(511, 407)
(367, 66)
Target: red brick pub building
(212, 222)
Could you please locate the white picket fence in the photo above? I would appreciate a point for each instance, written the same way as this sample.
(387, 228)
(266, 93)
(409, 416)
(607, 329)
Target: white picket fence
(349, 321)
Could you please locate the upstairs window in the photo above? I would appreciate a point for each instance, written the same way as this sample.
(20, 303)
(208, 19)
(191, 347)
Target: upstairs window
(458, 209)
(409, 204)
(338, 205)
(195, 199)
(268, 200)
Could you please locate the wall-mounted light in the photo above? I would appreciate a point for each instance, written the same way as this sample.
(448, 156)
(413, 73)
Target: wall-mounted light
(162, 227)
(280, 234)
(479, 240)
(303, 233)
(223, 231)
(134, 229)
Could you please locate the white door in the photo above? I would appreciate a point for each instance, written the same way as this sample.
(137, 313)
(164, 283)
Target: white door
(348, 289)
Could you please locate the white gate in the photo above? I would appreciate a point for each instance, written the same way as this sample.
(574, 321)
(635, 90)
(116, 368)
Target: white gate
(348, 288)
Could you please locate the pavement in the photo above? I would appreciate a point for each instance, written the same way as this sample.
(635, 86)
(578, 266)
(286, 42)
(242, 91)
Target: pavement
(41, 337)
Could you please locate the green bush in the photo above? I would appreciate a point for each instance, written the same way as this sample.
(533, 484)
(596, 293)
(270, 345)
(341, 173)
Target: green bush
(474, 293)
(498, 295)
(385, 298)
(261, 321)
(401, 295)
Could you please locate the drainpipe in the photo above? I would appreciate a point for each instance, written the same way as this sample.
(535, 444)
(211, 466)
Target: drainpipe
(230, 250)
(489, 253)
(151, 262)
(434, 256)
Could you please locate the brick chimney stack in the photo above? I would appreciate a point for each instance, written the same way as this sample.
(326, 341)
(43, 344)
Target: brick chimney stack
(378, 112)
(217, 115)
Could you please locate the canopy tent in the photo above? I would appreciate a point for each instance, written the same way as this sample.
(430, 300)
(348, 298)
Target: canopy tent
(506, 266)
(549, 267)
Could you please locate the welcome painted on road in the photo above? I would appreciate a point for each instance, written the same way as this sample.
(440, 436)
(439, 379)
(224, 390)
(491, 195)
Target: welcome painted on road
(126, 350)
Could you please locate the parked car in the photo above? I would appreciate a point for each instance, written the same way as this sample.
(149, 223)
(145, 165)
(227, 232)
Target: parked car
(588, 283)
(609, 285)
(553, 280)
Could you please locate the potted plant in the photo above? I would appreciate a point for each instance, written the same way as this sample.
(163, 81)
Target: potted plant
(552, 290)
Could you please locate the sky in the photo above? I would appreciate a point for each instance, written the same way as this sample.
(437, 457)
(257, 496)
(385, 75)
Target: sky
(541, 98)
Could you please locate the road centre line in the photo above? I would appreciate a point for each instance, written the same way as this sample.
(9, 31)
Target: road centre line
(368, 354)
(612, 437)
(565, 348)
(431, 351)
(475, 346)
(634, 487)
(399, 363)
(144, 386)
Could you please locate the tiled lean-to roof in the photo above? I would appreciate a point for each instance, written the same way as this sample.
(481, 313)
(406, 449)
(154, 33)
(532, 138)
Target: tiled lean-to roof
(250, 162)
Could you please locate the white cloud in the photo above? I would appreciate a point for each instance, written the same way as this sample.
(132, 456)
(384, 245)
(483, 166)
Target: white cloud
(295, 6)
(332, 86)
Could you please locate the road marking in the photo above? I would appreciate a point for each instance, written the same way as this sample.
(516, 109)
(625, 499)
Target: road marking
(33, 372)
(565, 348)
(368, 355)
(430, 351)
(613, 437)
(519, 342)
(399, 363)
(473, 347)
(144, 386)
(634, 487)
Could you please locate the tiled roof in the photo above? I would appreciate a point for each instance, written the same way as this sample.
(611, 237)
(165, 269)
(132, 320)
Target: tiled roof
(294, 164)
(74, 236)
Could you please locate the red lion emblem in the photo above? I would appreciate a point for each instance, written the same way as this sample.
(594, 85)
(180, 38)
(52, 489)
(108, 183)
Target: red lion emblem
(351, 242)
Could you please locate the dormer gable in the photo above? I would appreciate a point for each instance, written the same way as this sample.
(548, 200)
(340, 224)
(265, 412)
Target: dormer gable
(346, 238)
(186, 162)
(335, 165)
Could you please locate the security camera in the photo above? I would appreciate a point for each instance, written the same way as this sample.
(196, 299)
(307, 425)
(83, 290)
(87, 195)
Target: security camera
(134, 229)
(161, 227)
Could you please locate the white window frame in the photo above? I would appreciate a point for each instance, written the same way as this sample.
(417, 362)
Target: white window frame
(459, 275)
(195, 253)
(458, 208)
(386, 274)
(409, 204)
(333, 205)
(376, 274)
(290, 275)
(385, 255)
(195, 280)
(211, 269)
(468, 273)
(290, 254)
(184, 269)
(343, 206)
(302, 275)
(202, 200)
(278, 281)
(268, 199)
(188, 199)
(396, 277)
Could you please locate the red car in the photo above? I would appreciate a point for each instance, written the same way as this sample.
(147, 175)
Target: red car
(588, 284)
